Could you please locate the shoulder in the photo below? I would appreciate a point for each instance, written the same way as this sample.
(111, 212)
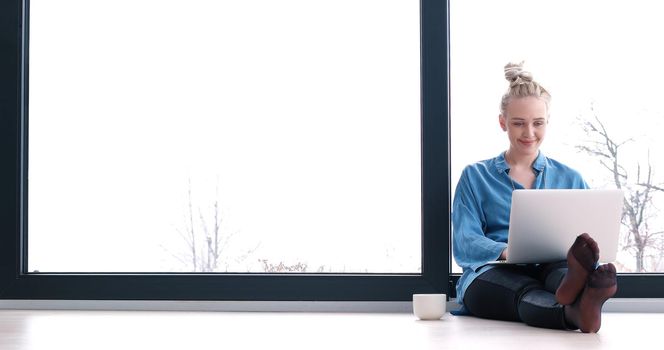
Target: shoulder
(565, 172)
(480, 174)
(561, 168)
(480, 168)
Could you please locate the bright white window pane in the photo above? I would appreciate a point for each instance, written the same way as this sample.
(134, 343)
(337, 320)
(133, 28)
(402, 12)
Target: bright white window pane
(299, 119)
(589, 54)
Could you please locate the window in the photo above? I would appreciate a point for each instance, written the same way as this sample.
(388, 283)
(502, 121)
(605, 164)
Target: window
(241, 137)
(599, 63)
(37, 68)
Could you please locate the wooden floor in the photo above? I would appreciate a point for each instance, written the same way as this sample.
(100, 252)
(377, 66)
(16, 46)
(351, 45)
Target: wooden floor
(93, 330)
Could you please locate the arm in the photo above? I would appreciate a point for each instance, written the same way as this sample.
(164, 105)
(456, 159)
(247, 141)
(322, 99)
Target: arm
(471, 248)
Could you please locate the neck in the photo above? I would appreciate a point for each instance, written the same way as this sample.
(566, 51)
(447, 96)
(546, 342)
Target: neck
(516, 160)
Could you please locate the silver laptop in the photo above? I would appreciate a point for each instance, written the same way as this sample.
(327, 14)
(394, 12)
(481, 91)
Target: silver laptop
(545, 223)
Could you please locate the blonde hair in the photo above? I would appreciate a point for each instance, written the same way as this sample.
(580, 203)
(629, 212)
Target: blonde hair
(522, 85)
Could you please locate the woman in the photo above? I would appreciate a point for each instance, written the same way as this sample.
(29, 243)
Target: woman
(564, 295)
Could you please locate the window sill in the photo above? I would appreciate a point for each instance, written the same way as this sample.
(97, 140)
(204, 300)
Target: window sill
(625, 305)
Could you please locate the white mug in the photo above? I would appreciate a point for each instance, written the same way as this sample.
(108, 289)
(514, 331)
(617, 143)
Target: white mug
(429, 306)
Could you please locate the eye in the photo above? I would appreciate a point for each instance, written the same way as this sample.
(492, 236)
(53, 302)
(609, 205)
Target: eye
(517, 123)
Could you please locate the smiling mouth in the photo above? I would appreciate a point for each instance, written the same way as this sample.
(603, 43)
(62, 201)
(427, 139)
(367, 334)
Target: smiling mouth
(530, 142)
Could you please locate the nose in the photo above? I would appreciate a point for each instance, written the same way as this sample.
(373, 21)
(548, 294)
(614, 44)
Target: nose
(529, 131)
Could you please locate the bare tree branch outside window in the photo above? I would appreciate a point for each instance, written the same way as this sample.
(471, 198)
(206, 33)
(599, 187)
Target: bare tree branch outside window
(205, 241)
(638, 186)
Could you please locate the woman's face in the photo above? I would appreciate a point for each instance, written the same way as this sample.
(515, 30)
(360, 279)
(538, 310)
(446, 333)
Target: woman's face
(525, 122)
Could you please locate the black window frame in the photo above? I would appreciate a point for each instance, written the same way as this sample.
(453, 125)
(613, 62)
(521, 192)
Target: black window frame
(17, 283)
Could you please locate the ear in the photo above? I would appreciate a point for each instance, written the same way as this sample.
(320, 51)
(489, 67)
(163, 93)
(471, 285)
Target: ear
(502, 122)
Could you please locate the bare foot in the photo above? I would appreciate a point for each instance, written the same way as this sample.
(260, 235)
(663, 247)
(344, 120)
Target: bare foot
(586, 312)
(581, 259)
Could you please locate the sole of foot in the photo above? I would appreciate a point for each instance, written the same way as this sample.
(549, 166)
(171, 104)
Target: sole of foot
(582, 257)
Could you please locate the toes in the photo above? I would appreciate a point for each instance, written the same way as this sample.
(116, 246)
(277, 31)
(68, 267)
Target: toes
(582, 239)
(588, 240)
(586, 251)
(606, 270)
(594, 247)
(609, 272)
(603, 277)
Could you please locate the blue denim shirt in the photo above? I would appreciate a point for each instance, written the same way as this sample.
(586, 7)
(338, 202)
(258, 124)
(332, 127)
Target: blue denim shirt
(481, 210)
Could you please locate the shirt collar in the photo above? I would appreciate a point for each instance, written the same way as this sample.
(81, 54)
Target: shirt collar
(502, 165)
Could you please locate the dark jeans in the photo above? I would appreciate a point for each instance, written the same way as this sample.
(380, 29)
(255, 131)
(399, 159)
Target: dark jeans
(519, 293)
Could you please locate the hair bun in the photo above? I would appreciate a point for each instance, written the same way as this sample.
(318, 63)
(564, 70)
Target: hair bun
(516, 75)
